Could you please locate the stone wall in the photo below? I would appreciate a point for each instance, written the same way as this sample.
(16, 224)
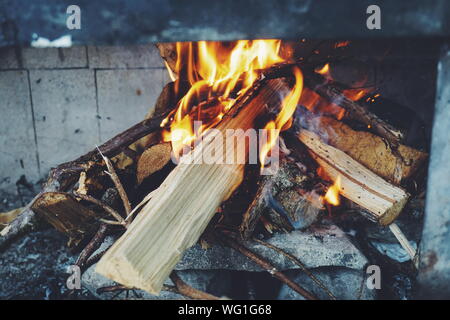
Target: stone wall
(56, 104)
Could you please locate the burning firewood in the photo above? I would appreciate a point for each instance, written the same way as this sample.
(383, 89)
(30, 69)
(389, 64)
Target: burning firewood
(353, 109)
(383, 200)
(171, 221)
(173, 216)
(366, 147)
(289, 198)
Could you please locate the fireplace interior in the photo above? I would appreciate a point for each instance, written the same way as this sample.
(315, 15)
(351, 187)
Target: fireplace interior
(91, 174)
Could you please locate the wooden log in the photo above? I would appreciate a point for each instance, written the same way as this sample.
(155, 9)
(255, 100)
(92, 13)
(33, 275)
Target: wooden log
(354, 109)
(66, 214)
(166, 102)
(366, 148)
(383, 200)
(179, 212)
(168, 52)
(7, 217)
(287, 198)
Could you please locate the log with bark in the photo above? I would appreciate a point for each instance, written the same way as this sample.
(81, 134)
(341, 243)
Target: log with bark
(66, 214)
(383, 200)
(365, 147)
(178, 213)
(168, 52)
(354, 110)
(289, 199)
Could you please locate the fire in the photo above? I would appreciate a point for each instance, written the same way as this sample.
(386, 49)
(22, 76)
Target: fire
(324, 70)
(215, 70)
(171, 74)
(318, 105)
(289, 105)
(341, 44)
(372, 99)
(356, 94)
(332, 195)
(181, 133)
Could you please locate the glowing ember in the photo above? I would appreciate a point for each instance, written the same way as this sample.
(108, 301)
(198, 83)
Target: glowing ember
(341, 44)
(356, 94)
(372, 99)
(316, 104)
(324, 70)
(332, 195)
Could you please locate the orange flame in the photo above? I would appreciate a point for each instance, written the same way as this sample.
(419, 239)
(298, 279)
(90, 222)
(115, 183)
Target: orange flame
(324, 70)
(319, 105)
(332, 195)
(214, 69)
(172, 76)
(289, 105)
(356, 94)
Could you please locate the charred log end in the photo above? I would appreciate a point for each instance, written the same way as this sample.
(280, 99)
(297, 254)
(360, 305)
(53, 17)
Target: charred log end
(66, 214)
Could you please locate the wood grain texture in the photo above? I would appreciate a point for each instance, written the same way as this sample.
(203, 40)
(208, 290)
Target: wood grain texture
(369, 149)
(182, 206)
(66, 214)
(358, 184)
(152, 160)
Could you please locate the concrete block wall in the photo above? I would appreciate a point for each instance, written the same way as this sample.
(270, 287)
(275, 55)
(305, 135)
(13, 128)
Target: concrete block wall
(58, 103)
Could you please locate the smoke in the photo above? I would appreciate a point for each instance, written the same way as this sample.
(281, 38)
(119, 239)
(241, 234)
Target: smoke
(305, 119)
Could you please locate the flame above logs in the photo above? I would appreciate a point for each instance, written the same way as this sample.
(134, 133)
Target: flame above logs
(224, 71)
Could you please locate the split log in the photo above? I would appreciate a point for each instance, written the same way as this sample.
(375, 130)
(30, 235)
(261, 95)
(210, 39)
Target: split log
(7, 217)
(183, 205)
(383, 200)
(366, 148)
